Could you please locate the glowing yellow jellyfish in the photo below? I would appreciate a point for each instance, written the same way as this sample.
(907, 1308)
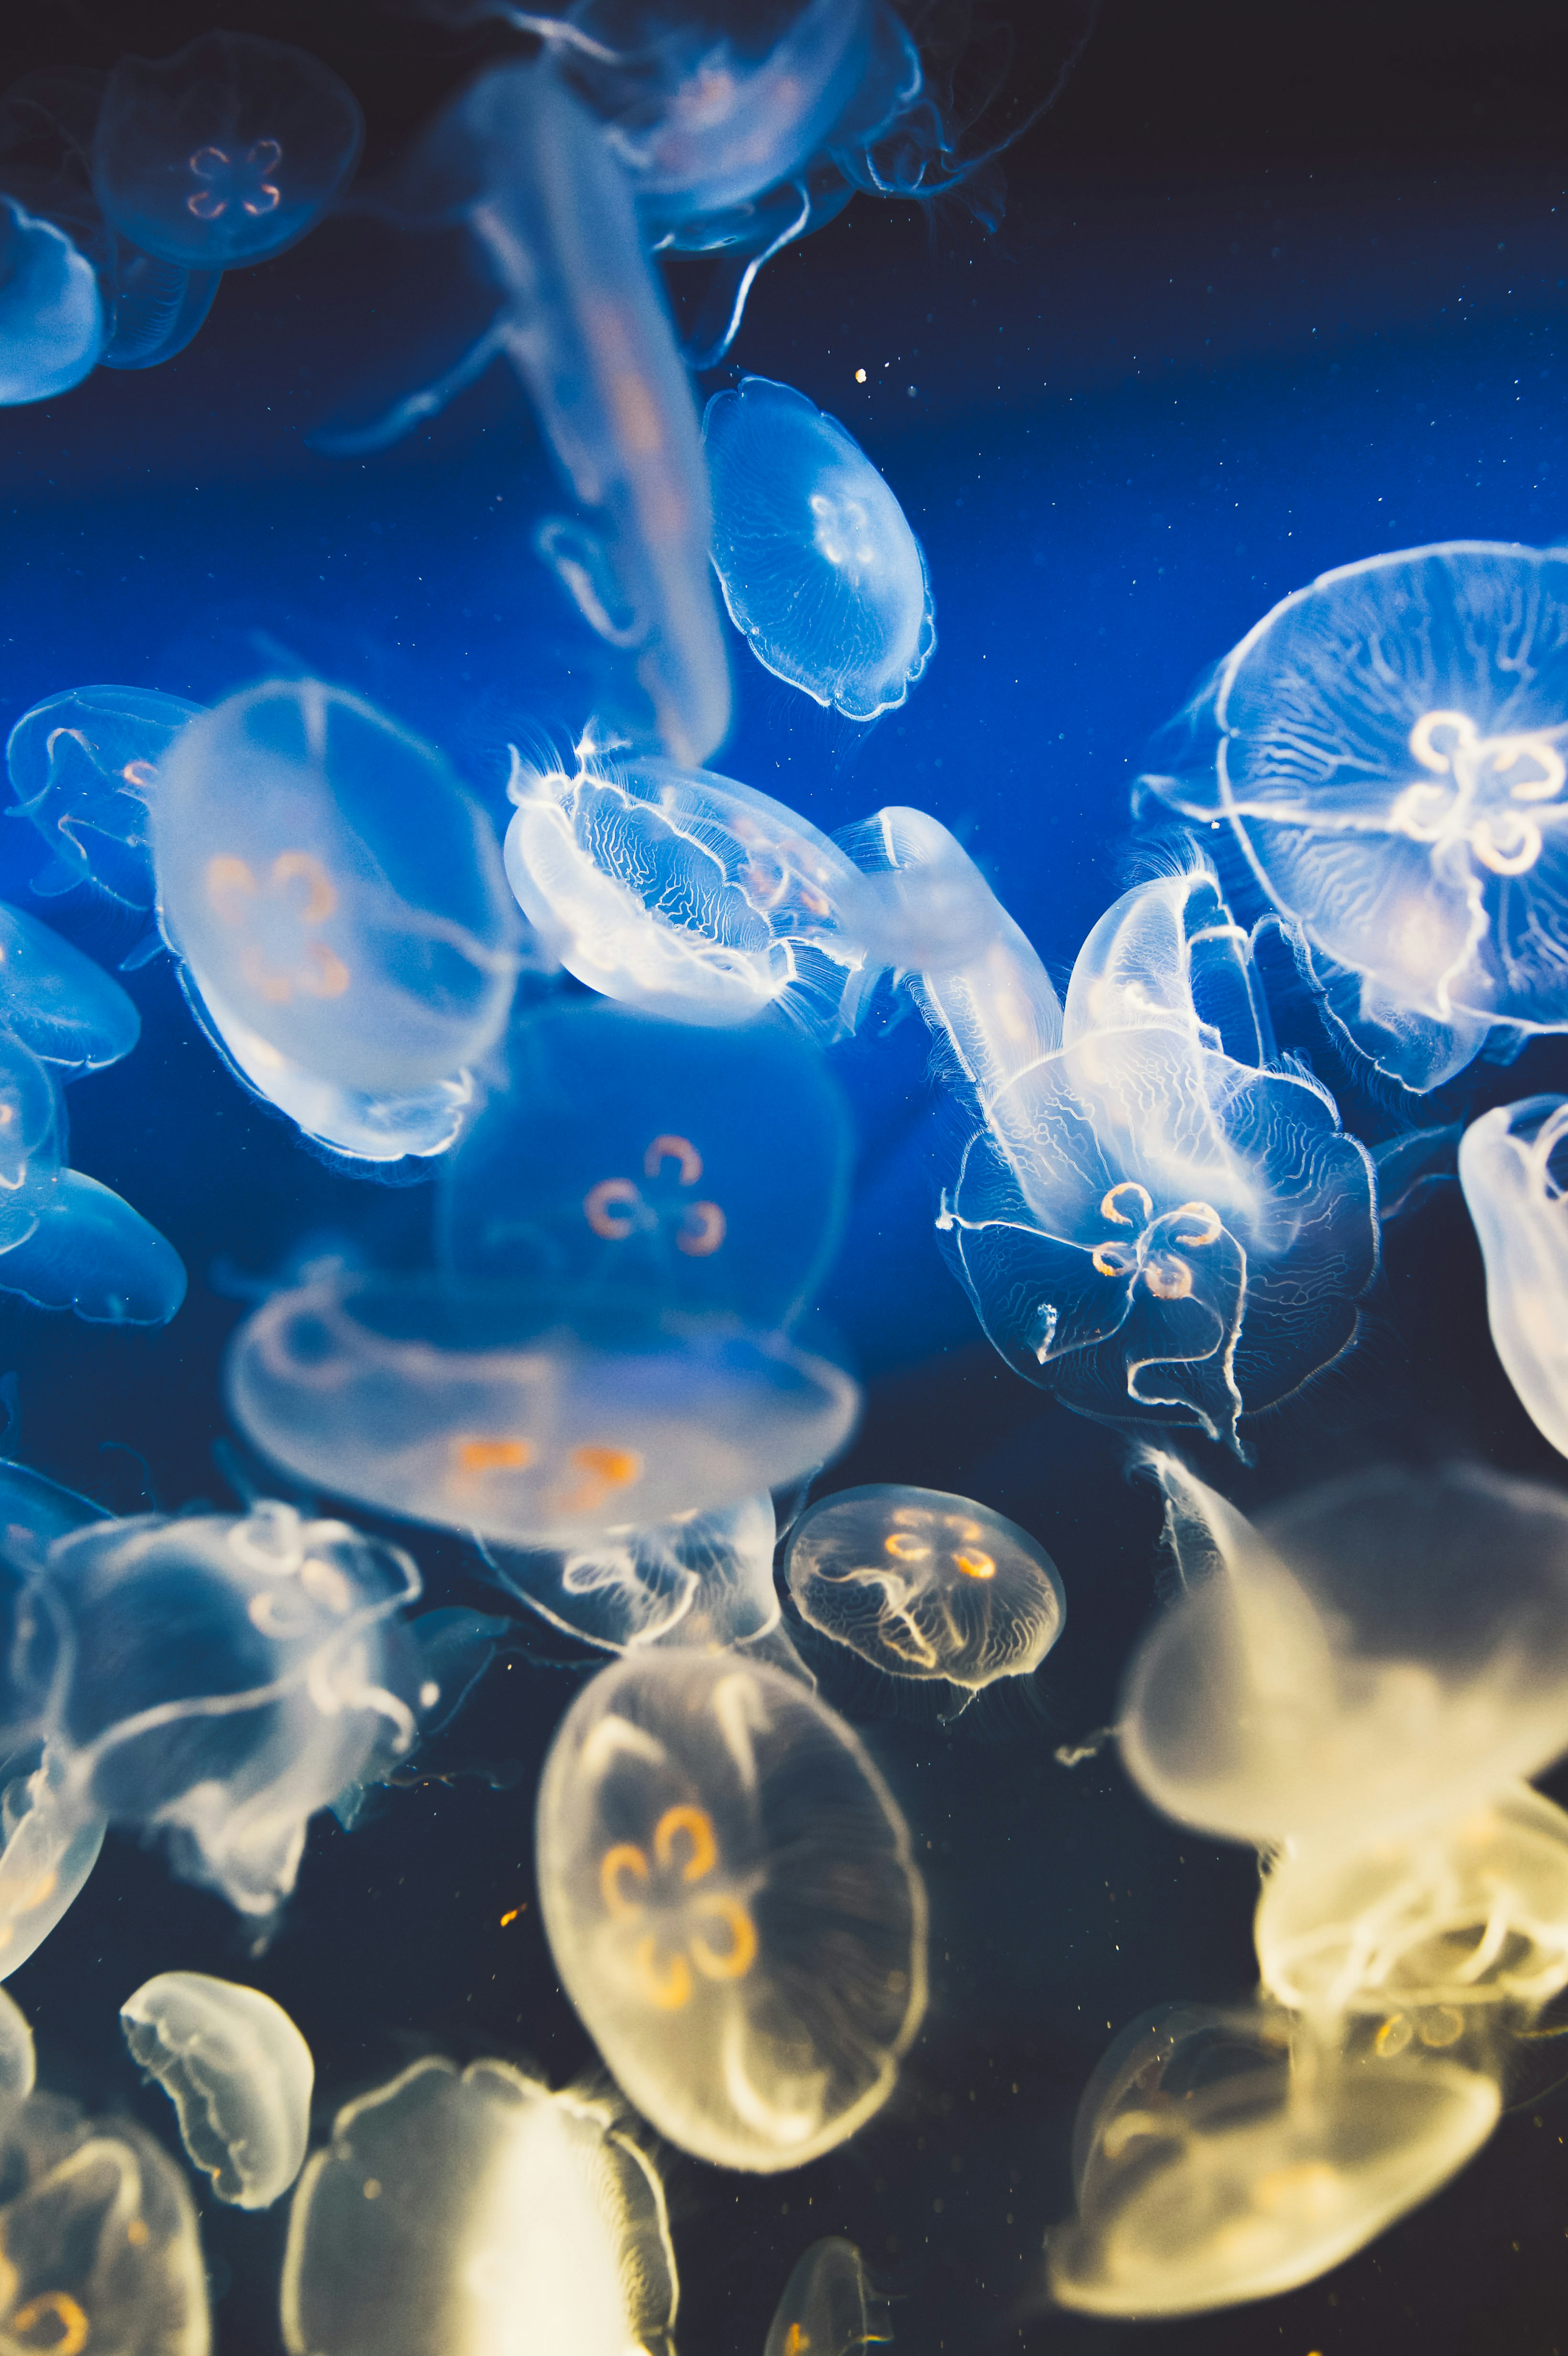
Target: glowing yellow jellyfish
(829, 2308)
(730, 1899)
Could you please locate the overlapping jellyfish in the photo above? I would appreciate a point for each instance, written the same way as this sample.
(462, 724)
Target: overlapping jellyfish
(1388, 750)
(702, 1579)
(84, 768)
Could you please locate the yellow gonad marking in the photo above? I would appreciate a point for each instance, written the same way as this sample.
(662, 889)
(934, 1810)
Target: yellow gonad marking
(903, 1547)
(140, 774)
(742, 1950)
(698, 1826)
(37, 1894)
(624, 1857)
(673, 1989)
(1392, 2037)
(484, 1456)
(606, 1205)
(1444, 2025)
(1111, 1260)
(1127, 1186)
(226, 876)
(699, 1241)
(796, 2341)
(1210, 1218)
(137, 2233)
(74, 2329)
(1170, 1281)
(603, 1469)
(231, 888)
(673, 1149)
(975, 1566)
(292, 866)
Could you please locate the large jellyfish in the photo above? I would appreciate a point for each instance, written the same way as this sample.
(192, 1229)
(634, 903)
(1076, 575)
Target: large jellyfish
(1388, 748)
(83, 765)
(704, 1579)
(1515, 1199)
(477, 2210)
(226, 152)
(325, 875)
(1155, 1221)
(820, 570)
(238, 2075)
(829, 2308)
(732, 1904)
(51, 315)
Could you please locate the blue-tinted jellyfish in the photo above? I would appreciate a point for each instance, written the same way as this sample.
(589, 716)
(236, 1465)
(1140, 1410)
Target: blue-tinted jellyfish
(82, 767)
(57, 1002)
(226, 152)
(1388, 747)
(49, 1846)
(820, 570)
(51, 315)
(238, 2075)
(30, 1124)
(327, 879)
(629, 1160)
(528, 1418)
(1153, 1222)
(829, 2307)
(704, 1579)
(90, 1252)
(733, 1905)
(219, 1679)
(478, 2210)
(1512, 1168)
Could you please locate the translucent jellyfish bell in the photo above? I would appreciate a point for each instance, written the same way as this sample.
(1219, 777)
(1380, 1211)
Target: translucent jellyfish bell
(90, 1252)
(1512, 1167)
(477, 2210)
(49, 1846)
(819, 568)
(29, 1142)
(238, 2075)
(226, 152)
(829, 2308)
(57, 1001)
(1388, 746)
(733, 1905)
(51, 316)
(923, 1584)
(706, 1579)
(1384, 1653)
(18, 2062)
(83, 767)
(327, 878)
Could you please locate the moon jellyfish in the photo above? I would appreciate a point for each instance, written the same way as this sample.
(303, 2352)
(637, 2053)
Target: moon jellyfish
(225, 153)
(1382, 1653)
(1215, 2165)
(57, 1001)
(49, 1846)
(51, 316)
(19, 2063)
(83, 765)
(1153, 1221)
(1515, 1199)
(30, 1124)
(238, 2075)
(820, 570)
(220, 1679)
(324, 876)
(477, 2210)
(1387, 746)
(922, 1584)
(529, 1419)
(100, 2237)
(705, 1579)
(88, 1251)
(733, 1905)
(829, 2308)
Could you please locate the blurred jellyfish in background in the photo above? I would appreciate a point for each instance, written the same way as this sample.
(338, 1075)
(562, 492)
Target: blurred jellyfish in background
(225, 153)
(1515, 1198)
(51, 318)
(705, 1579)
(822, 575)
(238, 2075)
(476, 2210)
(18, 2062)
(83, 767)
(829, 2306)
(1388, 746)
(733, 1905)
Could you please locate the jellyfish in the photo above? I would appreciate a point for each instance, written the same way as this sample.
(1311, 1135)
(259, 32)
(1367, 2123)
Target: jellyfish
(57, 1002)
(30, 1142)
(924, 1585)
(1216, 2164)
(530, 1418)
(1382, 1653)
(733, 1905)
(822, 575)
(1387, 747)
(18, 2062)
(51, 315)
(238, 2075)
(83, 766)
(90, 1252)
(701, 1171)
(1153, 1220)
(100, 2237)
(703, 1579)
(474, 2210)
(324, 875)
(829, 2308)
(1515, 1198)
(220, 1679)
(49, 1843)
(225, 153)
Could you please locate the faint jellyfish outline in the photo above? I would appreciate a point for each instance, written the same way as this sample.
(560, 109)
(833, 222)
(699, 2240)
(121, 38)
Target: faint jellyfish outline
(65, 805)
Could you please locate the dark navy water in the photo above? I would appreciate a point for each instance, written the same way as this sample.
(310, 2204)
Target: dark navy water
(1177, 383)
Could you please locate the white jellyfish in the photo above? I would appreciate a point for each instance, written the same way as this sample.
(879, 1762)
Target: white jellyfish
(238, 2075)
(1516, 1200)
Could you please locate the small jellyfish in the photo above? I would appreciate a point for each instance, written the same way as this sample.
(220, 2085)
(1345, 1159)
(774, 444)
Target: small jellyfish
(705, 1579)
(238, 2075)
(225, 153)
(733, 1905)
(1387, 746)
(18, 2062)
(829, 2308)
(90, 1252)
(820, 570)
(83, 765)
(51, 315)
(30, 1125)
(924, 1585)
(324, 876)
(530, 1420)
(477, 2210)
(1515, 1199)
(49, 1846)
(57, 1002)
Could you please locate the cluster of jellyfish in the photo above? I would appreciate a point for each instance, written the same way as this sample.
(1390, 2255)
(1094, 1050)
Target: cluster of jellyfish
(604, 1040)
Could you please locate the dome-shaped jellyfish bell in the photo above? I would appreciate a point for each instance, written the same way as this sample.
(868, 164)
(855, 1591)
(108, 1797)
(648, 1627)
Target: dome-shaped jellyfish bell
(1215, 2164)
(922, 1584)
(221, 1679)
(531, 1418)
(731, 1901)
(1381, 1652)
(238, 2075)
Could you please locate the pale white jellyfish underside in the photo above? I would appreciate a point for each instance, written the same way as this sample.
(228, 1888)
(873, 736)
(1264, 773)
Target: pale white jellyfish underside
(238, 2075)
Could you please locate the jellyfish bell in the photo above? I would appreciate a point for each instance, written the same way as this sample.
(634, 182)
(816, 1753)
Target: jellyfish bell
(58, 1002)
(84, 768)
(1512, 1167)
(238, 2075)
(705, 1578)
(88, 1251)
(733, 1905)
(828, 2305)
(51, 315)
(18, 2062)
